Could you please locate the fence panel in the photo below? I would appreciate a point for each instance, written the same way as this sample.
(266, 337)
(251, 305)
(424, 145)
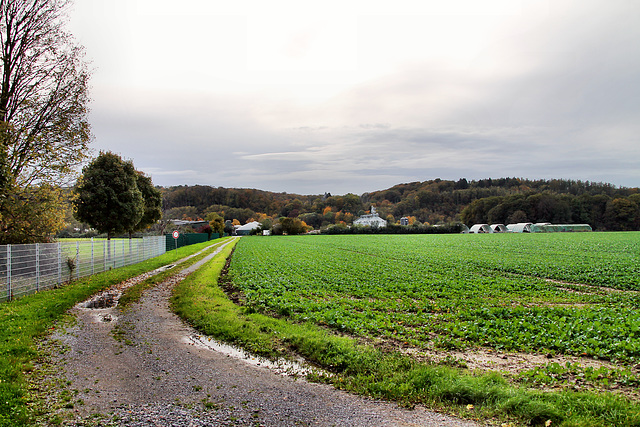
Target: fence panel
(25, 269)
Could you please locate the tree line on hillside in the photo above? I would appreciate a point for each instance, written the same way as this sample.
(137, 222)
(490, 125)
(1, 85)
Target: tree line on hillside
(600, 211)
(433, 202)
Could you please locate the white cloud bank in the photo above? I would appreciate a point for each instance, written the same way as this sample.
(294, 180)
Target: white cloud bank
(361, 97)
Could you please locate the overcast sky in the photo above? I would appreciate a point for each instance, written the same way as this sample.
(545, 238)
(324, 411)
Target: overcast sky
(356, 96)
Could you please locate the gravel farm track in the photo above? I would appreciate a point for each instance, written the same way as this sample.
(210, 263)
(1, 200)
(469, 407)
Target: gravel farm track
(154, 374)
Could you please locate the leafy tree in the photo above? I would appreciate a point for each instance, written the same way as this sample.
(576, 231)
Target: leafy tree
(152, 202)
(292, 209)
(31, 214)
(44, 128)
(292, 226)
(516, 217)
(216, 222)
(621, 214)
(242, 215)
(313, 219)
(108, 195)
(351, 203)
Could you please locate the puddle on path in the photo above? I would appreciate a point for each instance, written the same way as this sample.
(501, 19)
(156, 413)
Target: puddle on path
(107, 299)
(281, 366)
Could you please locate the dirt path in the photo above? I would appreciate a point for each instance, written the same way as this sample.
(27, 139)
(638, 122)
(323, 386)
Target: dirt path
(154, 375)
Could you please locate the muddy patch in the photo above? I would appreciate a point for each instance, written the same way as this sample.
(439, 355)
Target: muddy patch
(296, 368)
(584, 289)
(506, 362)
(107, 299)
(102, 305)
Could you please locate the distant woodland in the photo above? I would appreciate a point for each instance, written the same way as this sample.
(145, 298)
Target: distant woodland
(504, 200)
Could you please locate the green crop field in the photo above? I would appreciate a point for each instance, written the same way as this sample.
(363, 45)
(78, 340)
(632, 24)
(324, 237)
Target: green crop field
(571, 294)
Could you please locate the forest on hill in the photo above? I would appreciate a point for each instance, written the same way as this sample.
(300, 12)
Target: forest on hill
(504, 200)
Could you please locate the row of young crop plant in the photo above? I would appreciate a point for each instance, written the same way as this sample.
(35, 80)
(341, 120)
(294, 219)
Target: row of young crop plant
(451, 291)
(600, 259)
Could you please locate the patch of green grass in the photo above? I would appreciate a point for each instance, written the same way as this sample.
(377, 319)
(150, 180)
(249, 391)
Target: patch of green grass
(134, 293)
(388, 374)
(576, 375)
(209, 405)
(26, 320)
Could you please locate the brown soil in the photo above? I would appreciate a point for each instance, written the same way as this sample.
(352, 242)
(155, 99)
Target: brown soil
(587, 289)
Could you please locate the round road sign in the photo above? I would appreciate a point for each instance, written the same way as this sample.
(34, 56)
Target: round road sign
(176, 234)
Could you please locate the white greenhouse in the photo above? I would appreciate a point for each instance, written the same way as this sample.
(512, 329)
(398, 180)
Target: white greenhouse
(499, 228)
(521, 227)
(481, 228)
(559, 228)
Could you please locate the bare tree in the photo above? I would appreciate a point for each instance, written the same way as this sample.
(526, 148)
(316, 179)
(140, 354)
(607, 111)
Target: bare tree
(44, 98)
(44, 128)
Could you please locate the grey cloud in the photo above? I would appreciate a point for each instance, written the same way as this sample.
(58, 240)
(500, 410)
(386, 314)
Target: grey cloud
(563, 101)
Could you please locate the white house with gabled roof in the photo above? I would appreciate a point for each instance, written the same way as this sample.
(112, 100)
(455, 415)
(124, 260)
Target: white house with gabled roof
(371, 220)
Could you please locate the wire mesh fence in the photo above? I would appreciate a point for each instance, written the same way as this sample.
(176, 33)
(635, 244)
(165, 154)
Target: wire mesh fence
(25, 269)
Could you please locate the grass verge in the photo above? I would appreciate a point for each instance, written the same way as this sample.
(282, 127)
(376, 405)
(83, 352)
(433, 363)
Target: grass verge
(134, 293)
(25, 320)
(390, 375)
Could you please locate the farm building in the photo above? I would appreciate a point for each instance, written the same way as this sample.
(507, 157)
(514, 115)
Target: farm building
(499, 228)
(521, 227)
(244, 230)
(559, 228)
(481, 228)
(371, 220)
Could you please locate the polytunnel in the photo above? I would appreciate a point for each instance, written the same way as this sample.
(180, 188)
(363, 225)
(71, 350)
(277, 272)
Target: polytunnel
(521, 227)
(481, 228)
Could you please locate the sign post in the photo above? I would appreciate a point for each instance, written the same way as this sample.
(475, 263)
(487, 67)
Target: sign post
(176, 234)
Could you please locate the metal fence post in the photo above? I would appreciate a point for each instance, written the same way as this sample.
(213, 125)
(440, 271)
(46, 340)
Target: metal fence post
(8, 272)
(59, 263)
(93, 267)
(77, 260)
(37, 267)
